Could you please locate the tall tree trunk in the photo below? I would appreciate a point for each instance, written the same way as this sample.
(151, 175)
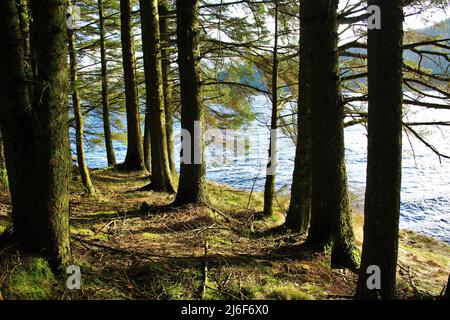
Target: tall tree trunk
(134, 159)
(164, 12)
(161, 175)
(79, 129)
(299, 213)
(105, 94)
(382, 202)
(191, 187)
(269, 187)
(36, 132)
(330, 213)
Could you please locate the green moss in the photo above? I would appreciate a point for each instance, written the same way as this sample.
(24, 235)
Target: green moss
(289, 292)
(31, 280)
(150, 235)
(272, 288)
(219, 240)
(4, 183)
(88, 234)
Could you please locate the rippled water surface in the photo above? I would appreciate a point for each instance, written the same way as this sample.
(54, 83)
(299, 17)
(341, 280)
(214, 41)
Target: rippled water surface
(426, 181)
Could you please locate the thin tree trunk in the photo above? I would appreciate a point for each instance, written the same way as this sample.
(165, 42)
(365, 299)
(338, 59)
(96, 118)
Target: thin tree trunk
(191, 187)
(161, 175)
(330, 213)
(79, 129)
(299, 214)
(164, 12)
(382, 202)
(134, 159)
(105, 94)
(269, 188)
(36, 132)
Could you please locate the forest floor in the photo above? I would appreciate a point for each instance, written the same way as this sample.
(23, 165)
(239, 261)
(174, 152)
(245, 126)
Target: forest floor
(132, 245)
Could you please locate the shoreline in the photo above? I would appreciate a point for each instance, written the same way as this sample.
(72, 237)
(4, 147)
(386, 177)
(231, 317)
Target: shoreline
(125, 234)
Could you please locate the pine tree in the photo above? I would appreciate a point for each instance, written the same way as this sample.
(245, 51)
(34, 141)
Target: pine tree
(191, 187)
(299, 213)
(164, 12)
(110, 154)
(134, 159)
(76, 104)
(382, 201)
(331, 225)
(36, 133)
(269, 188)
(161, 174)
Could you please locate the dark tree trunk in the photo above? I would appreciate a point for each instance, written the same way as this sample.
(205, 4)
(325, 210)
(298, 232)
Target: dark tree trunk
(105, 95)
(164, 12)
(269, 187)
(299, 214)
(330, 212)
(36, 132)
(79, 128)
(191, 187)
(134, 159)
(161, 175)
(382, 202)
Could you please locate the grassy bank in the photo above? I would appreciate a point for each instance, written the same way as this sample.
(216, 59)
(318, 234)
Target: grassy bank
(130, 245)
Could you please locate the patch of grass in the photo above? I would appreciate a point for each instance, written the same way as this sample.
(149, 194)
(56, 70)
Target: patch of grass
(429, 255)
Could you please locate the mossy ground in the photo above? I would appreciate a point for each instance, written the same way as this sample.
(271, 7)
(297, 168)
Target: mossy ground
(131, 245)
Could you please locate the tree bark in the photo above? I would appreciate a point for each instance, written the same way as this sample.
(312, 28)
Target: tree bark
(23, 12)
(191, 187)
(382, 201)
(79, 128)
(331, 225)
(164, 12)
(161, 179)
(134, 159)
(299, 213)
(105, 94)
(269, 187)
(35, 130)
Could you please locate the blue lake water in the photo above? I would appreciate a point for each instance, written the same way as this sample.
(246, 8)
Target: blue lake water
(425, 194)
